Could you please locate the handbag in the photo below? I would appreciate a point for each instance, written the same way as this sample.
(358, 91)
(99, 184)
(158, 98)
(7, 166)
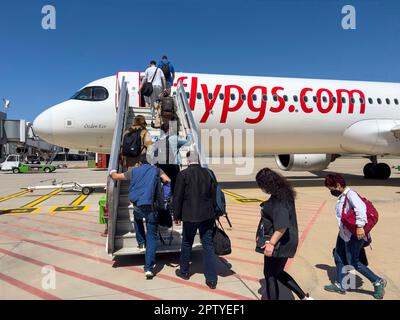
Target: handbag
(222, 243)
(147, 88)
(262, 238)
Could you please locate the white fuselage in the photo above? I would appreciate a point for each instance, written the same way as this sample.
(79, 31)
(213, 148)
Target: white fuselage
(284, 124)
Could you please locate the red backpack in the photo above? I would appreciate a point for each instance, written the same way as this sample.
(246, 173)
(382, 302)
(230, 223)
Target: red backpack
(349, 219)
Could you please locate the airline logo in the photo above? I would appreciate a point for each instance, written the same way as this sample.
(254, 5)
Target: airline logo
(339, 101)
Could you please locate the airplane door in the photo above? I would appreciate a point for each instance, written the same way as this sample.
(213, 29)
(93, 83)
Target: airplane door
(133, 79)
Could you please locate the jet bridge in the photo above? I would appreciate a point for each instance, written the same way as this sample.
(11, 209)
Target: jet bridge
(121, 234)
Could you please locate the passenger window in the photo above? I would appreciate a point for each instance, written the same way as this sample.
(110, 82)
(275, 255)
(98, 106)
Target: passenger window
(233, 97)
(275, 97)
(344, 100)
(187, 95)
(370, 100)
(314, 98)
(379, 100)
(353, 100)
(325, 99)
(285, 98)
(388, 101)
(12, 159)
(199, 96)
(396, 101)
(295, 98)
(254, 96)
(334, 100)
(361, 100)
(210, 96)
(243, 96)
(221, 96)
(305, 98)
(265, 97)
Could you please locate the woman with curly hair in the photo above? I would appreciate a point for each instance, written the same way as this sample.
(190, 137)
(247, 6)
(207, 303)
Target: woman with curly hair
(278, 228)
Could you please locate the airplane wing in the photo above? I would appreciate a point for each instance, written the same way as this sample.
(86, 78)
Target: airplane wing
(396, 131)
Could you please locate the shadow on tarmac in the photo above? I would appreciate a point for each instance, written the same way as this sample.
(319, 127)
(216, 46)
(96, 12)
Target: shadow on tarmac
(172, 260)
(284, 293)
(317, 181)
(331, 273)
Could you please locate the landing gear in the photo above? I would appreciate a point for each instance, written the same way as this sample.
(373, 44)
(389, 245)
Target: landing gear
(375, 170)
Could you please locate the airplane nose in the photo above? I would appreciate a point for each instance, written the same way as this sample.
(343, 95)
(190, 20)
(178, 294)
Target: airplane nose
(43, 127)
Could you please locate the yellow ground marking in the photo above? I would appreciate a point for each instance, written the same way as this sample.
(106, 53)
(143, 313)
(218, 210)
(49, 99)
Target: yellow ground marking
(14, 196)
(78, 201)
(241, 199)
(19, 211)
(42, 199)
(69, 209)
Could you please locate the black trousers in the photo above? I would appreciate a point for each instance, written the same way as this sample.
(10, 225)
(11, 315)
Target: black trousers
(274, 271)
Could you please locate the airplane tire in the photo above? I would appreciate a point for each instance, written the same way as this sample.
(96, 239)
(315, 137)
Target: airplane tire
(369, 172)
(86, 191)
(383, 171)
(379, 171)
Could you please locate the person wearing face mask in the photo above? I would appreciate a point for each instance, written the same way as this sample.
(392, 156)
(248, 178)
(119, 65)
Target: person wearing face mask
(349, 246)
(279, 236)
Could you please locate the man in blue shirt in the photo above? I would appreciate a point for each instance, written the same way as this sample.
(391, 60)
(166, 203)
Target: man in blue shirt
(143, 179)
(169, 72)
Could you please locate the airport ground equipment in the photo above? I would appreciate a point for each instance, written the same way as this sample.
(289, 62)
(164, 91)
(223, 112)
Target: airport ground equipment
(25, 168)
(121, 234)
(85, 188)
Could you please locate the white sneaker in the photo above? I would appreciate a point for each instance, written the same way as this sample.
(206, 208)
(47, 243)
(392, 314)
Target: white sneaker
(149, 275)
(307, 297)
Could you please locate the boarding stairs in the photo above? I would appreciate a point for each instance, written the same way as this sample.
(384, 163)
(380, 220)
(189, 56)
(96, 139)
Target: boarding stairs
(121, 234)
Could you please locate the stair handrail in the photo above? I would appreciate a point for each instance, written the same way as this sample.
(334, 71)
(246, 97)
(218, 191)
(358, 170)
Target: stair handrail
(113, 187)
(189, 122)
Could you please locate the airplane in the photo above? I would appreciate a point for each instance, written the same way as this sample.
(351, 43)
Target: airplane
(305, 123)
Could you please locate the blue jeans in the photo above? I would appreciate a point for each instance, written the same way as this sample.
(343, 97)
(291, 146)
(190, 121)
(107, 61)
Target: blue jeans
(348, 253)
(151, 238)
(189, 233)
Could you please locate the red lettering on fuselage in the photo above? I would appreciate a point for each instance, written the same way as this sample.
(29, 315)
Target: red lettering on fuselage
(227, 108)
(263, 106)
(209, 103)
(276, 96)
(234, 100)
(320, 100)
(351, 100)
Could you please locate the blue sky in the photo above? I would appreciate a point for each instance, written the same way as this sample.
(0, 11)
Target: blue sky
(96, 38)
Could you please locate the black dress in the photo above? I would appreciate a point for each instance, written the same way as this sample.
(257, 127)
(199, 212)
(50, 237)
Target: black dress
(278, 215)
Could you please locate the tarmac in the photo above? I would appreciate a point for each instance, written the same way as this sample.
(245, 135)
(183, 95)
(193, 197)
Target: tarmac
(50, 244)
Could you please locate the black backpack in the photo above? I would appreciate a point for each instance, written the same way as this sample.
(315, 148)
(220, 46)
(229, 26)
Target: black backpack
(166, 70)
(132, 144)
(164, 217)
(167, 105)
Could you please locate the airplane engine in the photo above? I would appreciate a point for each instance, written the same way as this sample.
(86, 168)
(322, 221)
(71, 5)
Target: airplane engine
(303, 162)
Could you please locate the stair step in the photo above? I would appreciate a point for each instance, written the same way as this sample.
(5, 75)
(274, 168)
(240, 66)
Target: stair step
(128, 240)
(124, 213)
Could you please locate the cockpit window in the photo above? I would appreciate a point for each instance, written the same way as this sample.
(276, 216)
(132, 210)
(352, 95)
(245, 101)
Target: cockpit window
(92, 94)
